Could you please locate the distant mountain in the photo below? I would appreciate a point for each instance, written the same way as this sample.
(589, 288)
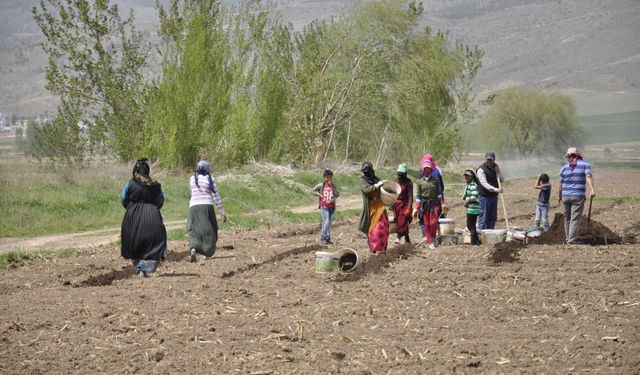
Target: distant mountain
(589, 49)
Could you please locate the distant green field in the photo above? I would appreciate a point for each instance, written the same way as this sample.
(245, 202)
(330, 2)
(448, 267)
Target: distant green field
(603, 129)
(612, 128)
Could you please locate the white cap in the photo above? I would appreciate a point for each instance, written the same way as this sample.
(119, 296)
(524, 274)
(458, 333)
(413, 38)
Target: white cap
(571, 150)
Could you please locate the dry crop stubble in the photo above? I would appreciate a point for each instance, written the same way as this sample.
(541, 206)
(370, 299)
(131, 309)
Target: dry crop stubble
(259, 307)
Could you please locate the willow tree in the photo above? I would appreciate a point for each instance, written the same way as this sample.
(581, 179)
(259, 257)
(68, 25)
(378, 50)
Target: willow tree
(95, 64)
(373, 84)
(523, 121)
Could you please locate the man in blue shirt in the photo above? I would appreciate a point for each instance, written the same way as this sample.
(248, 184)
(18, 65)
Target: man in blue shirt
(574, 178)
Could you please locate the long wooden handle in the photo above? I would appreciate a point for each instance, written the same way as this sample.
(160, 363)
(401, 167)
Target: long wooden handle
(504, 207)
(589, 215)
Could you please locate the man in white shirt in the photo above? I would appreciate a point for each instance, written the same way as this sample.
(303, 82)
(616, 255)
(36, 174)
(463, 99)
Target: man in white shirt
(488, 189)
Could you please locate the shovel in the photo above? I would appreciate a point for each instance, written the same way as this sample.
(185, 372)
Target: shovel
(589, 215)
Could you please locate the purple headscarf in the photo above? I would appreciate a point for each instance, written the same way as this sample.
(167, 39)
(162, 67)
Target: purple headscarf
(204, 168)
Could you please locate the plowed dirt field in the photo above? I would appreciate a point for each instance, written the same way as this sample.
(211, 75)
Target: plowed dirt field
(258, 307)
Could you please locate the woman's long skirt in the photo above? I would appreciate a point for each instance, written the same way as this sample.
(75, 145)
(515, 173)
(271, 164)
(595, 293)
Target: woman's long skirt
(143, 236)
(379, 234)
(202, 229)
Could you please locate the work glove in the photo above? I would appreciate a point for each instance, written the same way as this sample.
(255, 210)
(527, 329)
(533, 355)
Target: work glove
(415, 213)
(224, 218)
(445, 209)
(379, 184)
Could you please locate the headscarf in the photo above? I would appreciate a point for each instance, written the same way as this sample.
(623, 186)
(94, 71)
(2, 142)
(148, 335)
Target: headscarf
(369, 174)
(402, 173)
(426, 163)
(204, 168)
(428, 157)
(141, 171)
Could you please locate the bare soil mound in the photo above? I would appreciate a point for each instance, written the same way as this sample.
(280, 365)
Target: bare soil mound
(508, 252)
(593, 233)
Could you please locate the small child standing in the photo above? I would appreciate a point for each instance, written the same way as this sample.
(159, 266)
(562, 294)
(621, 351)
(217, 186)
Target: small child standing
(327, 192)
(542, 205)
(471, 202)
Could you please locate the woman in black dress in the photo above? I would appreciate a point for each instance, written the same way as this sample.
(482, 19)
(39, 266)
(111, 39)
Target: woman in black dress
(143, 235)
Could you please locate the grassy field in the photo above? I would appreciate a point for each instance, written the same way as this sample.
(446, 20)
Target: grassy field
(612, 128)
(37, 200)
(603, 129)
(18, 256)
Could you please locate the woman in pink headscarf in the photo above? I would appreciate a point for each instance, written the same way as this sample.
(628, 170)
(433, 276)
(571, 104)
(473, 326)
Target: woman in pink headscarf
(428, 202)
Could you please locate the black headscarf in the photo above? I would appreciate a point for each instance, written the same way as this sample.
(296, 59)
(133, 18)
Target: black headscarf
(141, 171)
(402, 177)
(369, 175)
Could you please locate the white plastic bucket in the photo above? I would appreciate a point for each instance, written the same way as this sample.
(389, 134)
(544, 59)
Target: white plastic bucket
(389, 192)
(447, 226)
(494, 236)
(326, 261)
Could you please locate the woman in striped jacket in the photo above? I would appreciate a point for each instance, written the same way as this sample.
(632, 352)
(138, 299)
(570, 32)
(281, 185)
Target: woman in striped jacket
(202, 225)
(471, 202)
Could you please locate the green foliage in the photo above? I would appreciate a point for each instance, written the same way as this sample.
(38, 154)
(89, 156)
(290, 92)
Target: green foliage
(224, 84)
(12, 257)
(187, 109)
(178, 234)
(237, 84)
(95, 60)
(528, 122)
(19, 256)
(60, 141)
(374, 85)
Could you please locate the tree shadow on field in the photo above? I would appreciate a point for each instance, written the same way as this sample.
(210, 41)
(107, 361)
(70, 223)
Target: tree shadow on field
(374, 264)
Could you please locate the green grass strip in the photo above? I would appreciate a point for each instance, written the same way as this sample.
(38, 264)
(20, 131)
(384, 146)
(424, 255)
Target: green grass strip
(20, 256)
